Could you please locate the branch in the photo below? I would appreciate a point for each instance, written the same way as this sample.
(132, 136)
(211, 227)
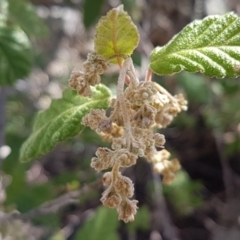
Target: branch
(52, 206)
(161, 219)
(3, 100)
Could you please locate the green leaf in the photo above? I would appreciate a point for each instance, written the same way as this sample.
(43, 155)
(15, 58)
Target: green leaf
(116, 34)
(184, 193)
(3, 12)
(91, 11)
(61, 121)
(210, 46)
(24, 14)
(15, 55)
(104, 223)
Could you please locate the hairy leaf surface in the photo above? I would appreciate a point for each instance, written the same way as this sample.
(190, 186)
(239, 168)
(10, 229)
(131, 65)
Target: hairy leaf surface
(116, 34)
(210, 46)
(61, 121)
(15, 55)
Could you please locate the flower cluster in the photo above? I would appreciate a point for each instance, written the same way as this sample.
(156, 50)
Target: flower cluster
(136, 111)
(93, 68)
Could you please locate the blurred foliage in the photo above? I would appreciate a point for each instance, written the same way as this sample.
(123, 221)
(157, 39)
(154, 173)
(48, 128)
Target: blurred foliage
(102, 225)
(91, 12)
(215, 102)
(184, 193)
(15, 55)
(23, 13)
(142, 220)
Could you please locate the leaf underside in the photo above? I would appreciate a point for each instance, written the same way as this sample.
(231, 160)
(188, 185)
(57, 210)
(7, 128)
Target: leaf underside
(15, 55)
(210, 46)
(116, 34)
(61, 121)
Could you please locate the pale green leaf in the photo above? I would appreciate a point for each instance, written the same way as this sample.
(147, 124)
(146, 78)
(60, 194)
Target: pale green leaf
(15, 55)
(210, 46)
(116, 34)
(61, 121)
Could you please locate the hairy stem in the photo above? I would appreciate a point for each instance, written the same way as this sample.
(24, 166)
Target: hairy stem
(164, 91)
(121, 98)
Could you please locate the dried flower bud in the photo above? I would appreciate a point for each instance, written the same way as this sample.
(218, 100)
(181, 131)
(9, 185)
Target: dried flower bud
(168, 178)
(127, 210)
(159, 139)
(107, 179)
(94, 118)
(125, 158)
(95, 64)
(124, 186)
(97, 164)
(174, 165)
(110, 198)
(105, 126)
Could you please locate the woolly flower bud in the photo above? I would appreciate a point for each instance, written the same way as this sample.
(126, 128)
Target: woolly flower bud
(143, 94)
(174, 165)
(145, 117)
(107, 179)
(105, 126)
(94, 118)
(119, 143)
(163, 118)
(164, 166)
(107, 136)
(181, 101)
(97, 164)
(78, 81)
(124, 186)
(127, 210)
(93, 79)
(159, 139)
(103, 160)
(95, 64)
(125, 158)
(110, 198)
(168, 178)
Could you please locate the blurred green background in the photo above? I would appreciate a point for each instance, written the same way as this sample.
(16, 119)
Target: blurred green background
(41, 41)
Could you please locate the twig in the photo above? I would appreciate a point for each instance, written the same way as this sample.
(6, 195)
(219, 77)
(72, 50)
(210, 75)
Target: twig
(227, 172)
(52, 206)
(162, 221)
(3, 100)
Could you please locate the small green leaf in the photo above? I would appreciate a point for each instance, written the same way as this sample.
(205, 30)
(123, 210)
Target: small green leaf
(15, 55)
(210, 46)
(116, 34)
(61, 121)
(91, 11)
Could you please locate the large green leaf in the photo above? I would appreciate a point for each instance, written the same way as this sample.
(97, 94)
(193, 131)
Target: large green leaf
(116, 34)
(210, 46)
(15, 55)
(61, 121)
